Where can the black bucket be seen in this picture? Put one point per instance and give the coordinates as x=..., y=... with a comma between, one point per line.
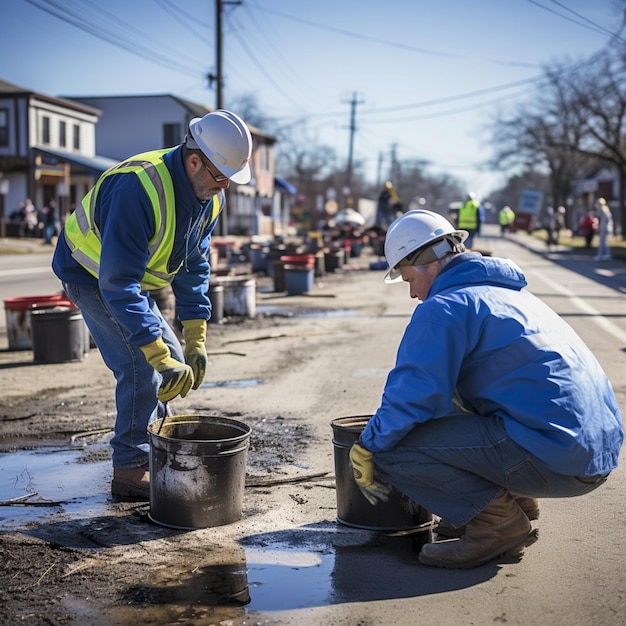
x=58, y=335
x=216, y=295
x=353, y=509
x=197, y=470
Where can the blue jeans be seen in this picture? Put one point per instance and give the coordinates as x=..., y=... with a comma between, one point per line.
x=137, y=382
x=456, y=465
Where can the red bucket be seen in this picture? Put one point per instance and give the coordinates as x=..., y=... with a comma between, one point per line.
x=18, y=316
x=306, y=261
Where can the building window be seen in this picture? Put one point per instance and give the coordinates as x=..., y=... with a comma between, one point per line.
x=172, y=135
x=45, y=130
x=62, y=134
x=4, y=127
x=76, y=143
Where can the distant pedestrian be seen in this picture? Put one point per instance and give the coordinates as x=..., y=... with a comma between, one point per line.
x=605, y=228
x=31, y=219
x=506, y=217
x=588, y=227
x=52, y=224
x=550, y=226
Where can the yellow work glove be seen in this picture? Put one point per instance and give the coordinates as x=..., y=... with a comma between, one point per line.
x=177, y=377
x=362, y=462
x=194, y=332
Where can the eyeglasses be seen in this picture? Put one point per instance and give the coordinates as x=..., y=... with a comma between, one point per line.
x=218, y=178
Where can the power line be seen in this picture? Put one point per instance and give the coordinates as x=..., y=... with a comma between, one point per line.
x=589, y=24
x=99, y=30
x=347, y=33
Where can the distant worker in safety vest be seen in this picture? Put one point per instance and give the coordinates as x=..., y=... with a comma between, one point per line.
x=470, y=218
x=388, y=205
x=506, y=217
x=147, y=224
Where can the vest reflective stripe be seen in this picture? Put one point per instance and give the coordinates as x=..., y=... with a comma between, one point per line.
x=468, y=216
x=83, y=236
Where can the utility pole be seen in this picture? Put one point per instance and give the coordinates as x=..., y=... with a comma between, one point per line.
x=218, y=77
x=379, y=170
x=393, y=170
x=219, y=91
x=353, y=104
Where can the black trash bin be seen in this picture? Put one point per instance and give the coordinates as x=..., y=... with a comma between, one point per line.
x=58, y=335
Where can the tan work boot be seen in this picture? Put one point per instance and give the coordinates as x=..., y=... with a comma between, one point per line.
x=502, y=528
x=131, y=483
x=530, y=506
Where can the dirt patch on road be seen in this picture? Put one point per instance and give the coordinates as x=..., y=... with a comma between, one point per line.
x=99, y=562
x=118, y=566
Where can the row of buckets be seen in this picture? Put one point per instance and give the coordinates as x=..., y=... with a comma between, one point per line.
x=198, y=470
x=51, y=326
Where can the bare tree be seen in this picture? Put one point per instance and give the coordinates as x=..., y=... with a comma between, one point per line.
x=599, y=98
x=543, y=135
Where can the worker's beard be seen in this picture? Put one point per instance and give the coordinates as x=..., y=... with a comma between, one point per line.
x=203, y=186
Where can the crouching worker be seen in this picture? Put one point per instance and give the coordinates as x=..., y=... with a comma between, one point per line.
x=494, y=400
x=147, y=224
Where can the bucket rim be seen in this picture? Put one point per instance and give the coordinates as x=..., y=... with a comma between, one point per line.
x=352, y=421
x=187, y=418
x=21, y=303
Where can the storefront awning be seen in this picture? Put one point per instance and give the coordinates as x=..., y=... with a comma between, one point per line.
x=285, y=186
x=96, y=164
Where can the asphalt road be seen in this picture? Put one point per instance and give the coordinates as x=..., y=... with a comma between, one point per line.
x=574, y=575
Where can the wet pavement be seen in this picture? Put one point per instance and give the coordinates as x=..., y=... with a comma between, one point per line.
x=288, y=560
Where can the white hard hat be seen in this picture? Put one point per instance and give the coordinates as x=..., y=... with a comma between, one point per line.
x=225, y=140
x=418, y=230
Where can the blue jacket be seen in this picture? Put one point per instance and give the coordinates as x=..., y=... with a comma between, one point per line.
x=125, y=218
x=507, y=354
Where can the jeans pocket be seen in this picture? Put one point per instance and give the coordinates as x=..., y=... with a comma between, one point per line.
x=72, y=291
x=588, y=484
x=524, y=479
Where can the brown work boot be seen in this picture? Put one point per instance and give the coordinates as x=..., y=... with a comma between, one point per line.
x=530, y=506
x=502, y=528
x=131, y=483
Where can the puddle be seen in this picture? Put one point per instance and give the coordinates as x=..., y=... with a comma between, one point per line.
x=248, y=382
x=329, y=564
x=56, y=481
x=285, y=580
x=316, y=565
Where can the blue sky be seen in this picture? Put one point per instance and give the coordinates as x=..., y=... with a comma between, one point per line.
x=415, y=67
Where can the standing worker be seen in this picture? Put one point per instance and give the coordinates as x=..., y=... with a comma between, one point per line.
x=506, y=216
x=605, y=229
x=146, y=224
x=469, y=218
x=494, y=400
x=388, y=203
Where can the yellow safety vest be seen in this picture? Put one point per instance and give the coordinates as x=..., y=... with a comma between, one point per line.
x=83, y=236
x=468, y=216
x=506, y=217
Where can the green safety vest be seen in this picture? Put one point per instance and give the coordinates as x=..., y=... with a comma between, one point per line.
x=468, y=216
x=506, y=217
x=83, y=236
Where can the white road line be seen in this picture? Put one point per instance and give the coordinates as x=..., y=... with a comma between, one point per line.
x=25, y=270
x=596, y=316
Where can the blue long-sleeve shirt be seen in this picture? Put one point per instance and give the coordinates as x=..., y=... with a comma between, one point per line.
x=125, y=218
x=507, y=354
